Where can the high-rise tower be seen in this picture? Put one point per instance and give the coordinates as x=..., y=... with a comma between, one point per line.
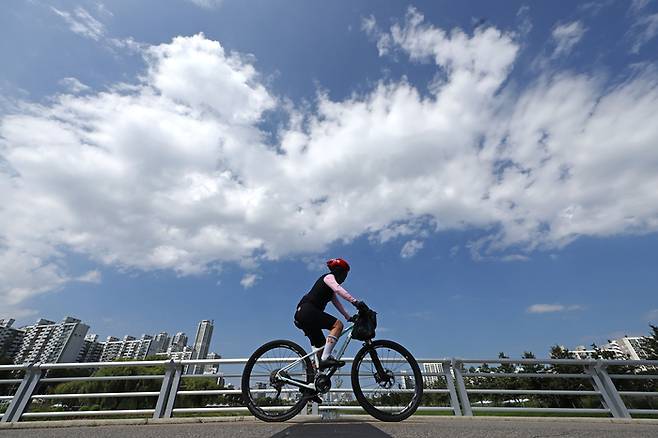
x=202, y=344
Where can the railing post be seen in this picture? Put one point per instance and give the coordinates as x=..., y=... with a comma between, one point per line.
x=461, y=387
x=599, y=386
x=609, y=386
x=450, y=383
x=161, y=404
x=173, y=390
x=23, y=393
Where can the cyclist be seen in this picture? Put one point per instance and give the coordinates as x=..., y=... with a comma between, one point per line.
x=311, y=317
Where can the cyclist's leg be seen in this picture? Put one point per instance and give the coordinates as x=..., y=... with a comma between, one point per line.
x=306, y=319
x=332, y=338
x=313, y=320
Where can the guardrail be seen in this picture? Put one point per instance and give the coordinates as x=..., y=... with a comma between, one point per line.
x=462, y=389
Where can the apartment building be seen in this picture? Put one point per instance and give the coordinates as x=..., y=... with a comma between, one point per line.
x=91, y=350
x=11, y=339
x=201, y=344
x=128, y=348
x=432, y=368
x=47, y=341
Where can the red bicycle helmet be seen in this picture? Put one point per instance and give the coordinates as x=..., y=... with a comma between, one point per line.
x=338, y=263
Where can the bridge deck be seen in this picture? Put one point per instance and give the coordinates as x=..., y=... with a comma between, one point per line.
x=362, y=427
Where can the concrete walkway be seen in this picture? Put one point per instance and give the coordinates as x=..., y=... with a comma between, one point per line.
x=354, y=426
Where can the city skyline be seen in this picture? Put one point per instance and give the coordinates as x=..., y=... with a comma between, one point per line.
x=175, y=347
x=48, y=341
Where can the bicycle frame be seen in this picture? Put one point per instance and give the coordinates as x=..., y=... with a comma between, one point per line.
x=347, y=332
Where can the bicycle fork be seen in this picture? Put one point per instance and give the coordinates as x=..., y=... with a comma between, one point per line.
x=381, y=375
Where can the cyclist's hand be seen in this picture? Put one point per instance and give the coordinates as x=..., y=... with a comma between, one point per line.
x=353, y=318
x=361, y=306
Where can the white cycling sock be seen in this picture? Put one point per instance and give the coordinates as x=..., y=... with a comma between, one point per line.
x=331, y=341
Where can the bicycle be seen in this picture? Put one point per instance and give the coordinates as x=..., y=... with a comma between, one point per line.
x=280, y=378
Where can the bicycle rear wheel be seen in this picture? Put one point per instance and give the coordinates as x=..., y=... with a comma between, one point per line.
x=267, y=397
x=396, y=394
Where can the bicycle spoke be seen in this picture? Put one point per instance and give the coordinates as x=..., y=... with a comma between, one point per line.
x=393, y=392
x=268, y=394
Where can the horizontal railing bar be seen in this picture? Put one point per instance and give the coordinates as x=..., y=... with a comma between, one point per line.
x=643, y=411
x=633, y=376
x=347, y=359
x=534, y=361
x=6, y=397
x=521, y=375
x=335, y=375
x=101, y=378
x=359, y=408
x=225, y=409
x=10, y=381
x=321, y=407
x=335, y=390
x=142, y=363
x=13, y=367
x=556, y=410
x=629, y=362
x=96, y=395
x=204, y=376
x=639, y=393
x=532, y=391
x=87, y=413
x=228, y=391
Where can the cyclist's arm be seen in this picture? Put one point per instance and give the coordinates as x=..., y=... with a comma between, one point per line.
x=330, y=281
x=340, y=307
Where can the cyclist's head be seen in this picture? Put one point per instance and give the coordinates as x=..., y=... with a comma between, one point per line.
x=339, y=267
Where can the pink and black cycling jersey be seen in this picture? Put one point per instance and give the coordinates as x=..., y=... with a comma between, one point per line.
x=324, y=290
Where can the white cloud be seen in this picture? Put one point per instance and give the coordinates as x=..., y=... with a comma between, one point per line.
x=73, y=85
x=523, y=21
x=638, y=5
x=410, y=248
x=82, y=22
x=552, y=308
x=17, y=312
x=207, y=4
x=369, y=25
x=249, y=280
x=515, y=258
x=172, y=171
x=90, y=277
x=566, y=36
x=644, y=29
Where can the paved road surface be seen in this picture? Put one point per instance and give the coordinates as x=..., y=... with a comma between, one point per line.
x=437, y=427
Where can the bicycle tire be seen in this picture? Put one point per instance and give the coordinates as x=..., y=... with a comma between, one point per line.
x=249, y=402
x=363, y=400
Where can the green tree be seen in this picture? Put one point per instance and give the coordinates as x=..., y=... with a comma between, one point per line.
x=533, y=383
x=602, y=354
x=8, y=389
x=504, y=382
x=650, y=343
x=200, y=384
x=576, y=384
x=90, y=387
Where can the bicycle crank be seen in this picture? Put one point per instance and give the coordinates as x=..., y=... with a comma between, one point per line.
x=323, y=383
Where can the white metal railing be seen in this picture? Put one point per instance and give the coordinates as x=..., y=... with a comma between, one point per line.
x=460, y=387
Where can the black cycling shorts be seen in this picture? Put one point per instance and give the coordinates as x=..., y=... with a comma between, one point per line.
x=312, y=320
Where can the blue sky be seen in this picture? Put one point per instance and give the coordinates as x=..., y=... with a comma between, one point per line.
x=488, y=170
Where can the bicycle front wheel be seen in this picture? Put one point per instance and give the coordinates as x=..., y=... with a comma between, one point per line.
x=392, y=391
x=268, y=397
